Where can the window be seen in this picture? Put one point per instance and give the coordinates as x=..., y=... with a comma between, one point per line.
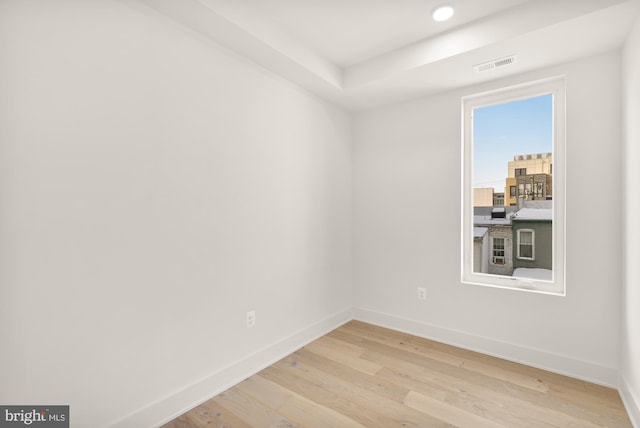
x=526, y=244
x=539, y=192
x=498, y=251
x=511, y=138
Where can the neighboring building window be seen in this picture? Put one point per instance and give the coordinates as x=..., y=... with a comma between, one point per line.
x=514, y=138
x=526, y=244
x=539, y=192
x=498, y=251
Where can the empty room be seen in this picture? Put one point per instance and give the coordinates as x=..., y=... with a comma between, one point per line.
x=328, y=213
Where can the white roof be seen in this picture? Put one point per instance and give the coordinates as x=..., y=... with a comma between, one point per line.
x=479, y=232
x=534, y=273
x=486, y=220
x=534, y=214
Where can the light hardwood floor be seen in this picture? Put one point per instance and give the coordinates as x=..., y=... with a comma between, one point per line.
x=361, y=375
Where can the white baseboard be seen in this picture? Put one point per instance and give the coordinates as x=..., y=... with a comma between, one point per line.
x=630, y=402
x=561, y=364
x=179, y=402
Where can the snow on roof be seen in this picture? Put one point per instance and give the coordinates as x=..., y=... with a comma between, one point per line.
x=534, y=214
x=486, y=220
x=534, y=273
x=479, y=232
x=547, y=203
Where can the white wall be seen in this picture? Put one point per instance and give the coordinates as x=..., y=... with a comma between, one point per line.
x=153, y=188
x=630, y=361
x=407, y=231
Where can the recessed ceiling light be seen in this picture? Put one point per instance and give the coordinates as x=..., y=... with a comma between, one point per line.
x=442, y=13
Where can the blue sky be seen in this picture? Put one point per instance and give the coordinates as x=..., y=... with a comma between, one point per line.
x=502, y=131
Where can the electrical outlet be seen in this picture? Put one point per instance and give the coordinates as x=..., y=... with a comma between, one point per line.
x=422, y=293
x=251, y=319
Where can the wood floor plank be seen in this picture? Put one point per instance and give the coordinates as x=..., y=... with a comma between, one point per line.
x=212, y=413
x=343, y=353
x=291, y=404
x=252, y=411
x=519, y=400
x=183, y=421
x=598, y=402
x=446, y=412
x=497, y=407
x=207, y=414
x=467, y=363
x=374, y=384
x=366, y=406
x=364, y=375
x=467, y=394
x=312, y=414
x=265, y=391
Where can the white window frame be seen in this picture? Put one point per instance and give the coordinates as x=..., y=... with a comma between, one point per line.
x=556, y=87
x=533, y=244
x=493, y=251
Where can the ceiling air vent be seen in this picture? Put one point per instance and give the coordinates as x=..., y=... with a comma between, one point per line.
x=495, y=64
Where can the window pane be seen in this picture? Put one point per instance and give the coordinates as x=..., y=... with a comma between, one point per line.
x=513, y=149
x=526, y=251
x=498, y=249
x=525, y=237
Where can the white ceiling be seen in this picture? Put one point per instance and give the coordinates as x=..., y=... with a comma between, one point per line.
x=364, y=53
x=347, y=32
